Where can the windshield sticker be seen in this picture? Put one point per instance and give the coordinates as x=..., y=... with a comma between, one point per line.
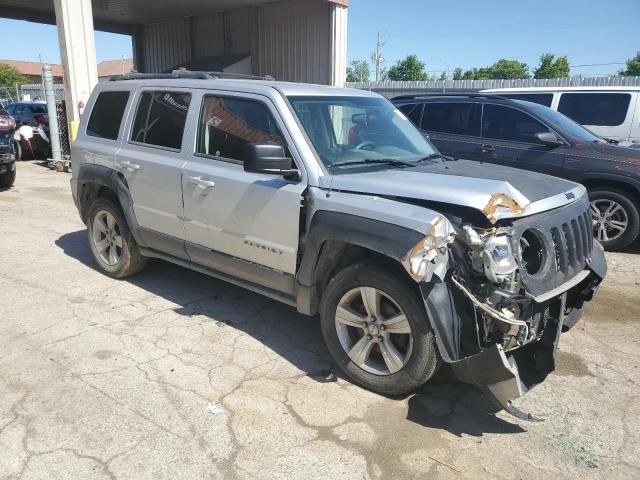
x=400, y=114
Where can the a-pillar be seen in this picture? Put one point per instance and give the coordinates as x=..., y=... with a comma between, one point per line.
x=74, y=19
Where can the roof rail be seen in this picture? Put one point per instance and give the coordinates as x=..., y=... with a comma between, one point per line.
x=188, y=74
x=437, y=95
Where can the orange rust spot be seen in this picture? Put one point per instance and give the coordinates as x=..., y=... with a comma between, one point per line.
x=500, y=200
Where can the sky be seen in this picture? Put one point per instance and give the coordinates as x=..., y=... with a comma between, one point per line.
x=598, y=36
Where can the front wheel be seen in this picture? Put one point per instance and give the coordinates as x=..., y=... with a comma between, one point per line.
x=376, y=329
x=616, y=217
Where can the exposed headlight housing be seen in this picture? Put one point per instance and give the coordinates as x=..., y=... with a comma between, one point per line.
x=430, y=252
x=497, y=258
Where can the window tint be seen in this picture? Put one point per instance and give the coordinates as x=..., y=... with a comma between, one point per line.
x=504, y=123
x=38, y=109
x=160, y=119
x=413, y=112
x=228, y=124
x=603, y=109
x=107, y=114
x=541, y=98
x=454, y=118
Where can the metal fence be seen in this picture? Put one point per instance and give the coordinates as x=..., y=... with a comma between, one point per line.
x=390, y=89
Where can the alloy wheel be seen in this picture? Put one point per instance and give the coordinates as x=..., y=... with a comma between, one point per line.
x=373, y=331
x=107, y=238
x=610, y=219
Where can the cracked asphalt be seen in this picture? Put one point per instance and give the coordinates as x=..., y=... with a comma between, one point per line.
x=172, y=374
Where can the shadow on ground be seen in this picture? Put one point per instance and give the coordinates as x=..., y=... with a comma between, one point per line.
x=443, y=403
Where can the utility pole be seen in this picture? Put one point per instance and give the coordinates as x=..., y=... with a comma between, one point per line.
x=377, y=57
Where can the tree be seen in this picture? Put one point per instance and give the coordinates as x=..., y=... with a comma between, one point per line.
x=458, y=74
x=358, y=71
x=509, y=69
x=633, y=67
x=552, y=67
x=409, y=69
x=443, y=76
x=10, y=76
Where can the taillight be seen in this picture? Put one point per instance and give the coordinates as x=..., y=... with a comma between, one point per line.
x=40, y=118
x=7, y=122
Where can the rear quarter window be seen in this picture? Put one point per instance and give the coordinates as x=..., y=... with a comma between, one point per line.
x=598, y=109
x=107, y=115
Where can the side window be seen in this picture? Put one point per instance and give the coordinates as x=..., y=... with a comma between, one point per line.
x=413, y=112
x=505, y=123
x=107, y=114
x=601, y=109
x=454, y=118
x=227, y=124
x=160, y=119
x=541, y=98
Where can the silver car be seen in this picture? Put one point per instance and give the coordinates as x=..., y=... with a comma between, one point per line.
x=329, y=200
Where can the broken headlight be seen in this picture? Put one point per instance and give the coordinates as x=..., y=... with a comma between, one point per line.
x=430, y=252
x=497, y=258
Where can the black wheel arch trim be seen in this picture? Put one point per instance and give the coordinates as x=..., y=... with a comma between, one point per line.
x=115, y=181
x=620, y=179
x=389, y=240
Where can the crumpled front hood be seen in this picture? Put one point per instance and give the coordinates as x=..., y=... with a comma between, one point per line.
x=465, y=183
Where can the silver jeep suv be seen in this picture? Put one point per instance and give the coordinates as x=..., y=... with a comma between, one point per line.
x=329, y=200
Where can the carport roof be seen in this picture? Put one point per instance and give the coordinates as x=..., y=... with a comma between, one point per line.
x=120, y=15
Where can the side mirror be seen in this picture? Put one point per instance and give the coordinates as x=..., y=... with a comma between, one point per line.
x=269, y=159
x=548, y=138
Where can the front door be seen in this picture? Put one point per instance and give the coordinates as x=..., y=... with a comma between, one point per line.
x=240, y=223
x=150, y=160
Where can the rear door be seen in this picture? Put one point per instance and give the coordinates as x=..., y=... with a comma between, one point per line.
x=241, y=223
x=508, y=138
x=454, y=128
x=151, y=161
x=608, y=114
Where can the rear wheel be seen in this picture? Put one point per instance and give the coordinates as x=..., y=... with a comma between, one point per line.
x=7, y=179
x=616, y=217
x=111, y=241
x=376, y=329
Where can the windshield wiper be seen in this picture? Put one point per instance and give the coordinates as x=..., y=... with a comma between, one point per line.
x=367, y=161
x=433, y=156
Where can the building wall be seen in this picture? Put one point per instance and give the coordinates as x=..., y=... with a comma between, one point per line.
x=289, y=40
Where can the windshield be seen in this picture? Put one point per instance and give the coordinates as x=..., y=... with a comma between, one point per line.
x=575, y=130
x=360, y=130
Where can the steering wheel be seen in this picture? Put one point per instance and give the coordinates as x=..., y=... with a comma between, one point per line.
x=366, y=145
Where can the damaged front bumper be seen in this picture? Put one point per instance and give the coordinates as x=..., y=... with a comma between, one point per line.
x=508, y=374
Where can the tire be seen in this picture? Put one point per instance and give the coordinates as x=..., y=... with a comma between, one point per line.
x=107, y=226
x=7, y=179
x=18, y=150
x=626, y=211
x=418, y=349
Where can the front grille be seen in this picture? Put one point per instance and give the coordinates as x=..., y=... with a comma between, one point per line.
x=572, y=243
x=561, y=240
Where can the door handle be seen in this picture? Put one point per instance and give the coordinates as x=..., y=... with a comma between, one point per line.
x=201, y=183
x=132, y=167
x=488, y=148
